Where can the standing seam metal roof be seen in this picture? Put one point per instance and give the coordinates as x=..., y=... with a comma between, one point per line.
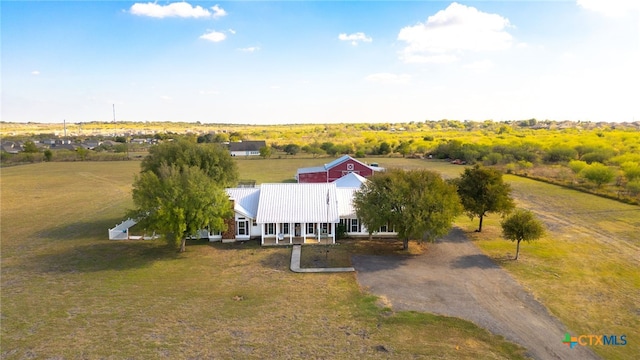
x=303, y=203
x=245, y=200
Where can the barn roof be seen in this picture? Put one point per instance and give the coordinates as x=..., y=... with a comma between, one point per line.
x=292, y=202
x=334, y=163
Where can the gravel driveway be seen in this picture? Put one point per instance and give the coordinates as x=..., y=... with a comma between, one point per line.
x=455, y=279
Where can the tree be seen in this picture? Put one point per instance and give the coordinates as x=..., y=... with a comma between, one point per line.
x=418, y=204
x=178, y=201
x=292, y=149
x=522, y=225
x=598, y=173
x=213, y=159
x=48, y=155
x=181, y=189
x=30, y=147
x=483, y=191
x=82, y=153
x=265, y=152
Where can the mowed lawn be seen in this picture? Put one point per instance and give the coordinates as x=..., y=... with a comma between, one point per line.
x=68, y=292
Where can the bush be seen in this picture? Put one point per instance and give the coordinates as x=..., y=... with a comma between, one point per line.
x=634, y=187
x=560, y=154
x=598, y=174
x=631, y=170
x=577, y=165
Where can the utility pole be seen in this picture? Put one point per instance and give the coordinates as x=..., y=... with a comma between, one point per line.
x=115, y=127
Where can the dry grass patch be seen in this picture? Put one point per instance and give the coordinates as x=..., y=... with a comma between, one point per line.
x=586, y=270
x=68, y=292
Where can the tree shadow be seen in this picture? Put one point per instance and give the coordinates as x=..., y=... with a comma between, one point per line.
x=107, y=255
x=98, y=228
x=277, y=260
x=373, y=263
x=480, y=261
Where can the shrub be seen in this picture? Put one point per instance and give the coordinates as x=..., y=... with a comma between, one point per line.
x=598, y=174
x=577, y=165
x=560, y=154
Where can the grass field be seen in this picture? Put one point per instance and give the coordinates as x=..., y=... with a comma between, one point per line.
x=68, y=292
x=586, y=270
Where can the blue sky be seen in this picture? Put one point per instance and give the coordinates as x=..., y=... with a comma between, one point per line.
x=261, y=62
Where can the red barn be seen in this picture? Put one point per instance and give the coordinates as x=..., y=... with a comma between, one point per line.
x=335, y=170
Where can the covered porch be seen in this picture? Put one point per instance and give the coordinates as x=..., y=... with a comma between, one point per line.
x=298, y=233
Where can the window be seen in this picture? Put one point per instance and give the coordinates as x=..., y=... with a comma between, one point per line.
x=284, y=228
x=383, y=228
x=324, y=228
x=311, y=228
x=254, y=223
x=270, y=229
x=355, y=226
x=242, y=228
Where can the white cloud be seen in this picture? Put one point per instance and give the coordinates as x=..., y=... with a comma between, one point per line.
x=213, y=36
x=355, y=37
x=35, y=72
x=450, y=32
x=249, y=49
x=232, y=31
x=166, y=98
x=479, y=66
x=613, y=8
x=177, y=9
x=209, y=92
x=218, y=11
x=388, y=78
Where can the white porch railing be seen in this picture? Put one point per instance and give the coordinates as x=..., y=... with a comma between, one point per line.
x=121, y=231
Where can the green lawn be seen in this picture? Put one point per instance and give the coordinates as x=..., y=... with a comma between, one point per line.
x=68, y=292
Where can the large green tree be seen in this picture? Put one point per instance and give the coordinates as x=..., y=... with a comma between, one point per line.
x=482, y=190
x=522, y=225
x=181, y=189
x=213, y=159
x=419, y=204
x=178, y=202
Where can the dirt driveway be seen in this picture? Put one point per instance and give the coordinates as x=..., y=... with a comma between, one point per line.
x=454, y=278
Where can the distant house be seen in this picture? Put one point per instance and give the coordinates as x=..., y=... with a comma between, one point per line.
x=335, y=170
x=246, y=148
x=11, y=147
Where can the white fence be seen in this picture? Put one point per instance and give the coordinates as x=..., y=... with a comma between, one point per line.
x=121, y=231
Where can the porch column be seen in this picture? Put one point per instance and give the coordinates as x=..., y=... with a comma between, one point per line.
x=262, y=232
x=291, y=233
x=277, y=232
x=318, y=230
x=333, y=232
x=303, y=232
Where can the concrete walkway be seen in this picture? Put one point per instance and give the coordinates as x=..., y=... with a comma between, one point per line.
x=295, y=264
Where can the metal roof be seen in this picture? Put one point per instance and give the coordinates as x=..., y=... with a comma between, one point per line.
x=313, y=169
x=351, y=180
x=345, y=202
x=245, y=200
x=292, y=202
